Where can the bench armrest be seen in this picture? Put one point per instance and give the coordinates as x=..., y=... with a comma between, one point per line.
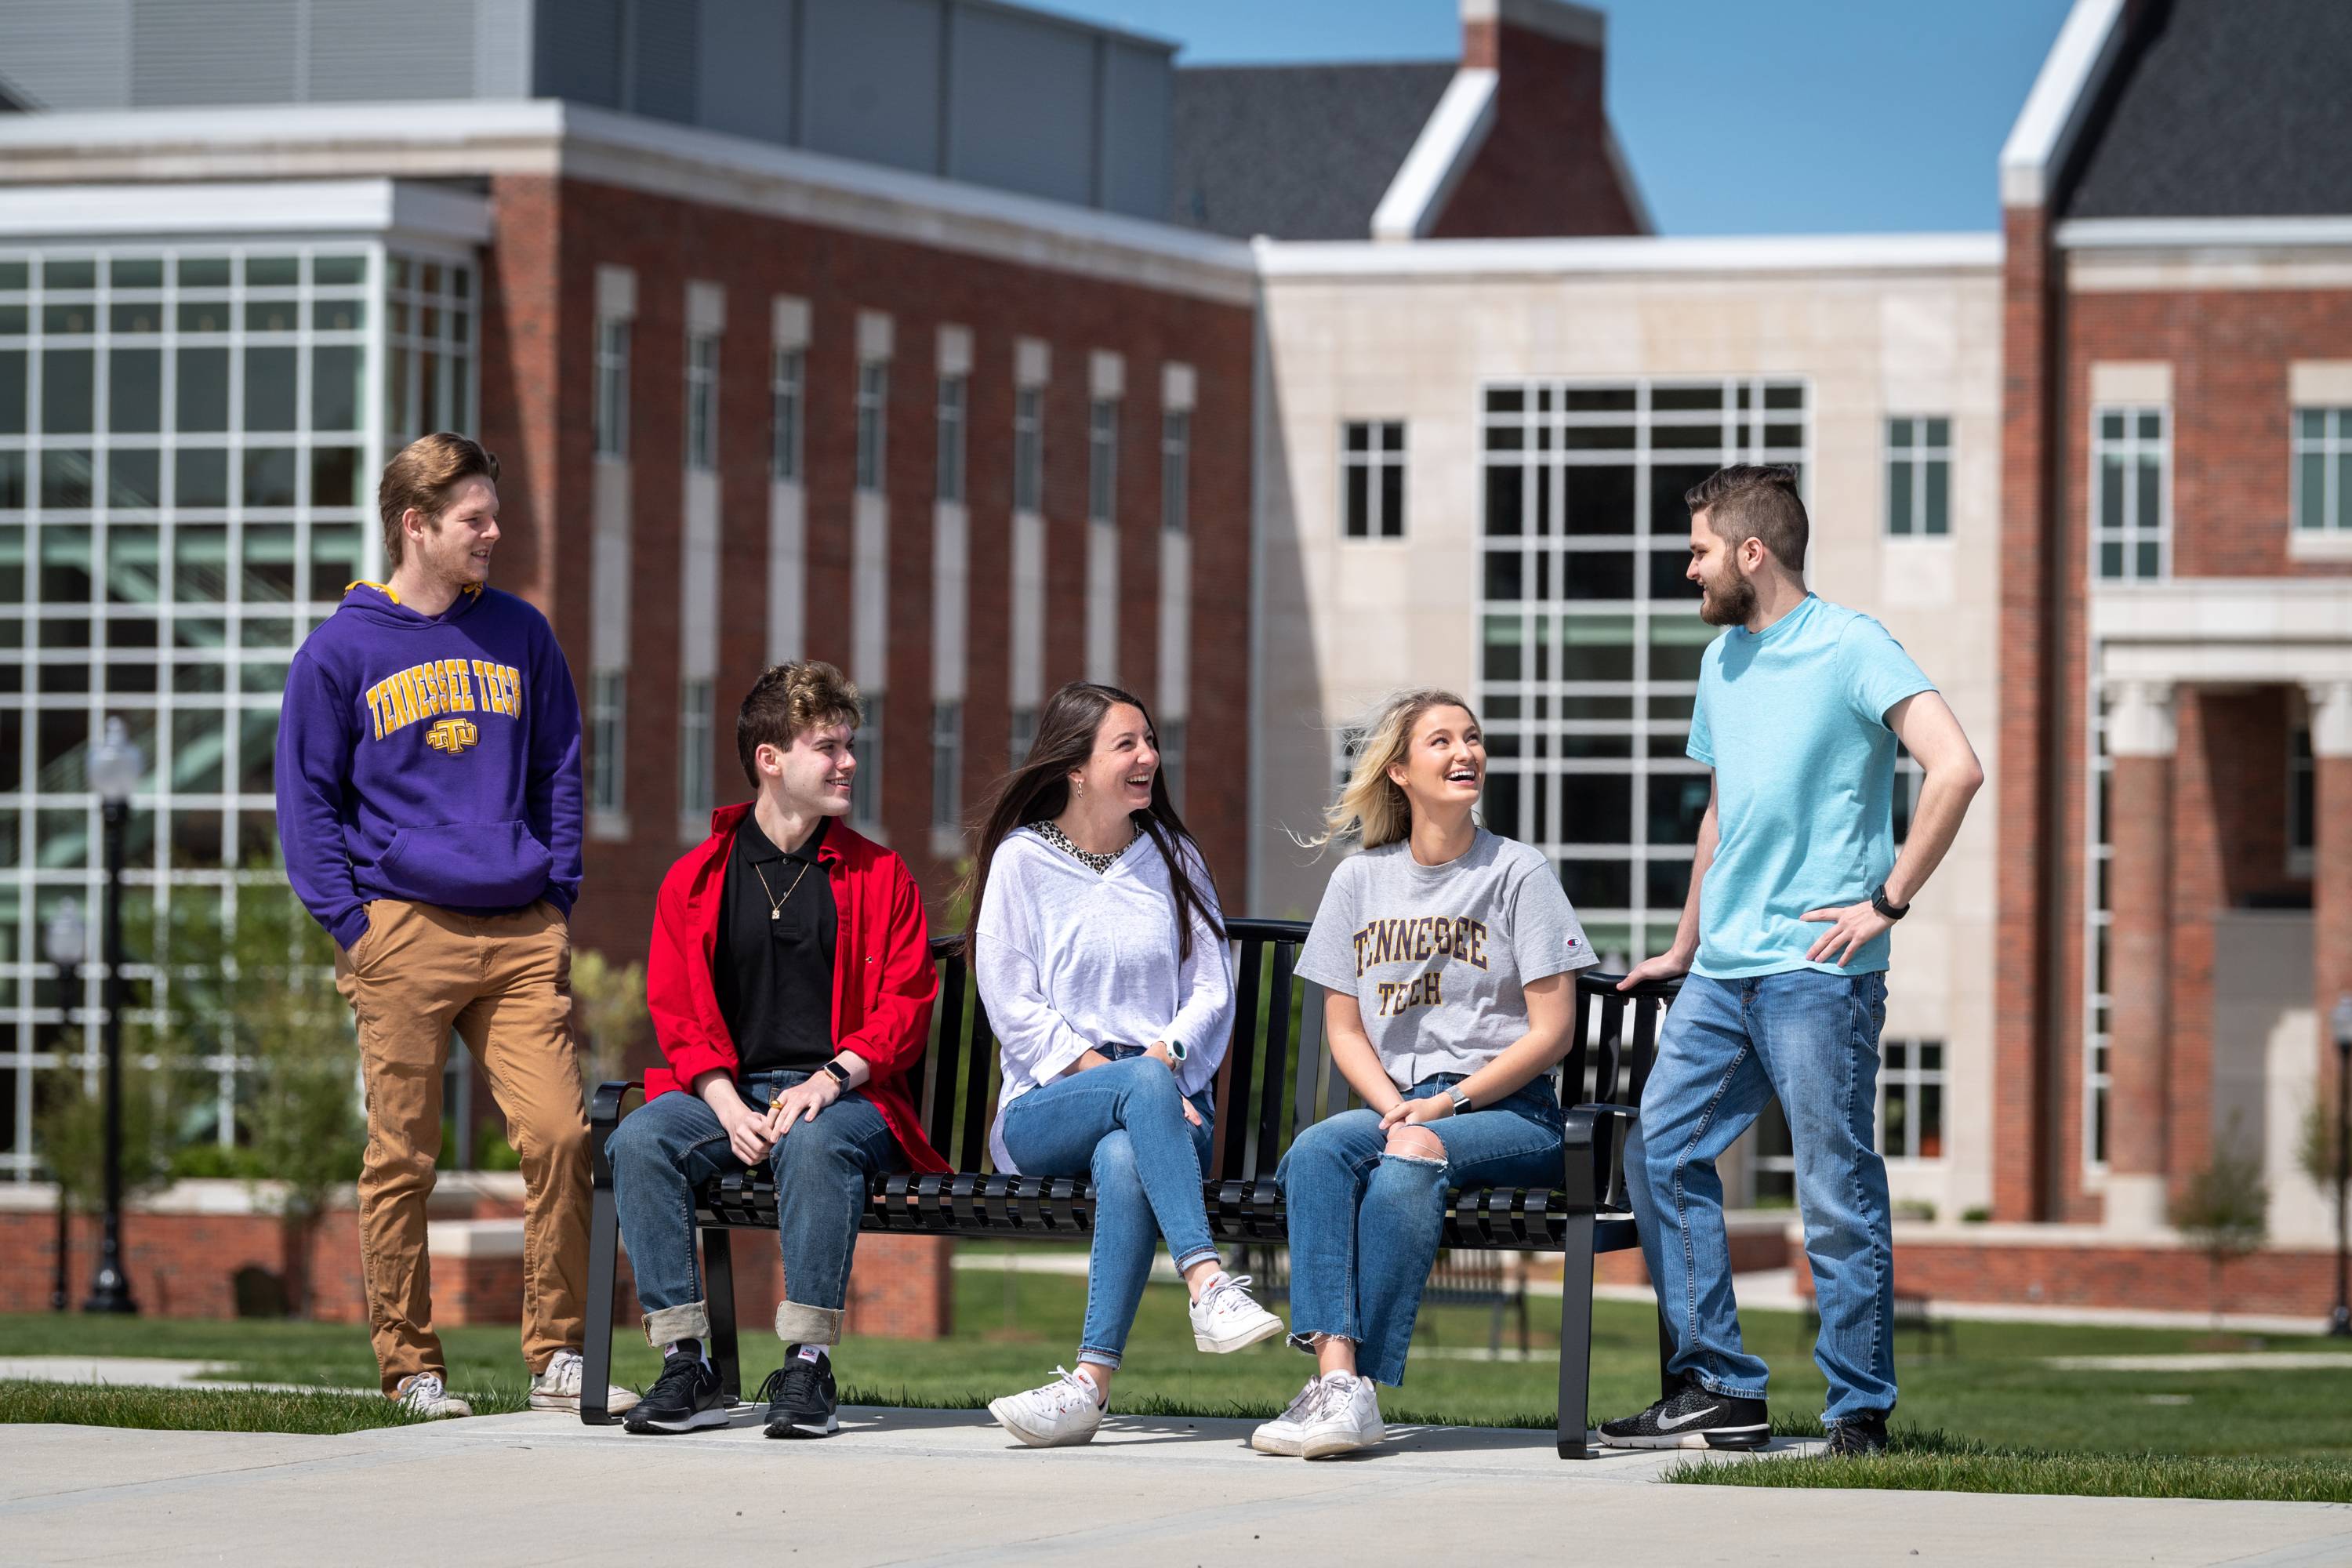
x=1578, y=1177
x=604, y=1116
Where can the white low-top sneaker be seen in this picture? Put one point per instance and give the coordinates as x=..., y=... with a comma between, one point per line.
x=427, y=1395
x=1064, y=1412
x=1225, y=1318
x=1347, y=1419
x=557, y=1387
x=1286, y=1432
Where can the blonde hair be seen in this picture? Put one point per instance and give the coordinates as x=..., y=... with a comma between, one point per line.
x=1372, y=806
x=421, y=474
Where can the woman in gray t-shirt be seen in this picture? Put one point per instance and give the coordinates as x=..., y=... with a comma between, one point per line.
x=1444, y=953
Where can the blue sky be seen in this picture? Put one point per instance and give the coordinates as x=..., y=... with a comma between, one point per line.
x=1739, y=116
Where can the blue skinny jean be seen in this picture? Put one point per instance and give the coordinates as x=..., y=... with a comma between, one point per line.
x=1812, y=1039
x=1365, y=1225
x=1123, y=1125
x=670, y=1146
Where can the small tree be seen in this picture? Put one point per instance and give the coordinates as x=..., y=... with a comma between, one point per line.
x=608, y=1015
x=2225, y=1212
x=72, y=1127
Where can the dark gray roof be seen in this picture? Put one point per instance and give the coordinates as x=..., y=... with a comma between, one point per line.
x=1295, y=151
x=2231, y=108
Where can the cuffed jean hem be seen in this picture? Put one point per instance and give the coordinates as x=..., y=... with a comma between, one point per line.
x=1100, y=1358
x=667, y=1325
x=1725, y=1390
x=1198, y=1254
x=799, y=1325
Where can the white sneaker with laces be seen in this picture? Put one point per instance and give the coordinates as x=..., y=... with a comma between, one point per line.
x=1286, y=1432
x=557, y=1387
x=1348, y=1419
x=1064, y=1412
x=427, y=1395
x=1226, y=1319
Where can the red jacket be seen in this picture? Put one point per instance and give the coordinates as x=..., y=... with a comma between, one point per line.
x=883, y=983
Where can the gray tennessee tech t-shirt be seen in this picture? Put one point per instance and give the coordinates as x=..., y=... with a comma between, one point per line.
x=1436, y=955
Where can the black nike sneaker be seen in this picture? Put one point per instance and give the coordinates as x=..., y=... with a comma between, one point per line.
x=684, y=1397
x=801, y=1396
x=1691, y=1417
x=1858, y=1436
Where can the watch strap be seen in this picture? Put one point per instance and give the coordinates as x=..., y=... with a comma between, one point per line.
x=1461, y=1101
x=1878, y=901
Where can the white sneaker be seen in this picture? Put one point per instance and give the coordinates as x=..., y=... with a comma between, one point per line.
x=427, y=1395
x=1286, y=1432
x=1348, y=1419
x=1225, y=1318
x=1066, y=1410
x=557, y=1387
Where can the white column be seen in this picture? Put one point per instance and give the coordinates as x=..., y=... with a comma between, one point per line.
x=1173, y=700
x=788, y=504
x=1032, y=368
x=610, y=568
x=1106, y=383
x=869, y=638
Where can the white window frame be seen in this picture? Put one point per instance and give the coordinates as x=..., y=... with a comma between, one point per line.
x=1019, y=734
x=787, y=413
x=954, y=414
x=947, y=766
x=865, y=785
x=1172, y=735
x=1029, y=449
x=1102, y=459
x=694, y=798
x=1384, y=447
x=1915, y=458
x=1907, y=1080
x=608, y=742
x=2331, y=444
x=1175, y=470
x=612, y=388
x=872, y=402
x=2128, y=450
x=701, y=454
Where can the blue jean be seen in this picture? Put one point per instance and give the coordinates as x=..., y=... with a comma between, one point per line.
x=671, y=1145
x=1365, y=1225
x=1810, y=1038
x=1122, y=1124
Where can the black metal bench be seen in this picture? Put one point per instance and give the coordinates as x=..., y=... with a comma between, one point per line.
x=1277, y=1076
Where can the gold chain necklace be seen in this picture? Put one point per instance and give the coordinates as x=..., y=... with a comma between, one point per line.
x=775, y=904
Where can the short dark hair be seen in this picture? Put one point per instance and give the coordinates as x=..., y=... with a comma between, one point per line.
x=421, y=474
x=788, y=700
x=1755, y=501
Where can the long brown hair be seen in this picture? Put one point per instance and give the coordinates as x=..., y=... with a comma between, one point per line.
x=1039, y=790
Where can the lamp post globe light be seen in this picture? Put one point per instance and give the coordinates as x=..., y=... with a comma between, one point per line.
x=2339, y=1018
x=64, y=941
x=116, y=767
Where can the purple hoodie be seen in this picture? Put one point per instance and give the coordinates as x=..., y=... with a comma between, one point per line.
x=429, y=758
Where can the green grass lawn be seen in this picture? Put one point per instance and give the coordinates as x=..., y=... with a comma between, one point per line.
x=1988, y=1407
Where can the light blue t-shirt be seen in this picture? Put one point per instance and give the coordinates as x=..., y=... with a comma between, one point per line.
x=1794, y=721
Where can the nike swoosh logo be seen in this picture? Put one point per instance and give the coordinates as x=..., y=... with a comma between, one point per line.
x=1667, y=1425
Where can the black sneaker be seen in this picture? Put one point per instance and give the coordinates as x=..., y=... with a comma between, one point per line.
x=684, y=1397
x=801, y=1396
x=1858, y=1436
x=1691, y=1417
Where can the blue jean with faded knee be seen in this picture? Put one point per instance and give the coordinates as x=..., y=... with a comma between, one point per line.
x=1365, y=1225
x=1122, y=1124
x=1728, y=1046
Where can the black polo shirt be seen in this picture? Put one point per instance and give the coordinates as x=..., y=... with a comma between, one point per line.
x=775, y=976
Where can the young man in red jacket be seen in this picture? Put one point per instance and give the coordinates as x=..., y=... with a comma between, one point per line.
x=791, y=985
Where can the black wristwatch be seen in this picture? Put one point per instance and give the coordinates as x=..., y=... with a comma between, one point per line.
x=1878, y=901
x=839, y=1074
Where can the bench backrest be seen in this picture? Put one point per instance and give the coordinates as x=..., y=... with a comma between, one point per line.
x=1278, y=1076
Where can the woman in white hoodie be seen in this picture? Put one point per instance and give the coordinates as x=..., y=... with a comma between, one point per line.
x=1100, y=957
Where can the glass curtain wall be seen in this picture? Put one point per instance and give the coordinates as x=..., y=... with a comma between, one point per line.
x=188, y=440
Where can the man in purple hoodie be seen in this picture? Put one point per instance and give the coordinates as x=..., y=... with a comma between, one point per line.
x=429, y=802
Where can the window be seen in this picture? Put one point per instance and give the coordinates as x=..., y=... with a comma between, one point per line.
x=1590, y=637
x=702, y=401
x=2128, y=523
x=1029, y=449
x=1373, y=479
x=2099, y=921
x=694, y=701
x=612, y=388
x=952, y=389
x=2322, y=444
x=2302, y=804
x=865, y=785
x=1175, y=461
x=947, y=766
x=787, y=383
x=873, y=407
x=1911, y=1100
x=1919, y=476
x=1021, y=734
x=1909, y=777
x=1102, y=460
x=1772, y=1163
x=608, y=697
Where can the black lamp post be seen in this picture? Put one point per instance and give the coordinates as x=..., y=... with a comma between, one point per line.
x=2340, y=1322
x=115, y=766
x=64, y=941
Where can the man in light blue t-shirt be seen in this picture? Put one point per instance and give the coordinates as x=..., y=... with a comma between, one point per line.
x=1794, y=886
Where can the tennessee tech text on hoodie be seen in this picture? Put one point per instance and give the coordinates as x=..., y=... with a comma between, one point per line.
x=429, y=758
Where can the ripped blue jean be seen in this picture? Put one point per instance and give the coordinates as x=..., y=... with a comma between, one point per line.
x=1727, y=1047
x=1364, y=1228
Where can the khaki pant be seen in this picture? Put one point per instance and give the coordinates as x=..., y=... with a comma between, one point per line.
x=504, y=983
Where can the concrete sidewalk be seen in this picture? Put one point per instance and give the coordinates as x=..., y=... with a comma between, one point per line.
x=944, y=1487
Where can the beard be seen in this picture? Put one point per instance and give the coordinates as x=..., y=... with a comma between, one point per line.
x=1730, y=600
